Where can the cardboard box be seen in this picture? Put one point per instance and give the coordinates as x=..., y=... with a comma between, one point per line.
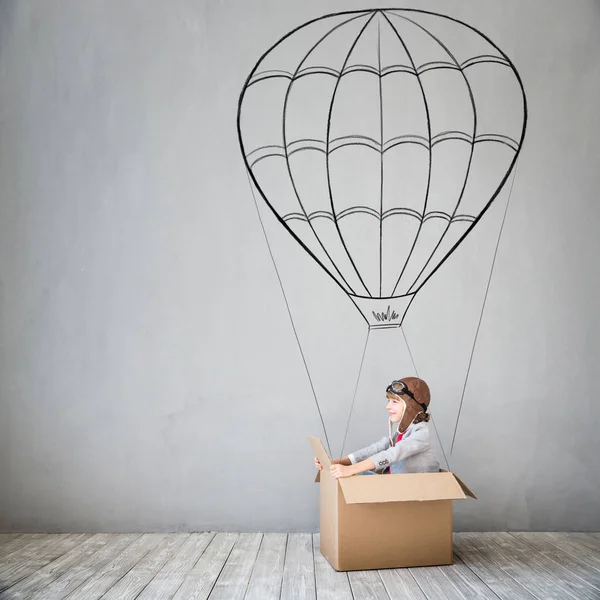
x=386, y=521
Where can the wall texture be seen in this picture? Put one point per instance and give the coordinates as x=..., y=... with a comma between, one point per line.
x=150, y=378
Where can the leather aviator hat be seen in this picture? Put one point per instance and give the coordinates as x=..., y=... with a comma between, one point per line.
x=414, y=393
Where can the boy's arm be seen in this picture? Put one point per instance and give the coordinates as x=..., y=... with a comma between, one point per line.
x=342, y=461
x=338, y=461
x=418, y=442
x=362, y=466
x=365, y=453
x=339, y=470
x=359, y=461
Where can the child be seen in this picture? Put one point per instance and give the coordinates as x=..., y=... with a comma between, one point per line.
x=411, y=451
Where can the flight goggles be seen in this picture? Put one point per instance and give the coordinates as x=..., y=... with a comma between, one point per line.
x=399, y=388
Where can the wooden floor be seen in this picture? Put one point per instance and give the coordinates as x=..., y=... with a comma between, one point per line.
x=226, y=566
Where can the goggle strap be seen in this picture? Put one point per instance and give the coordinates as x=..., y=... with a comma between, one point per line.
x=392, y=388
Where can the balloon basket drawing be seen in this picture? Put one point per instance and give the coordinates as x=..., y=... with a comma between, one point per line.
x=383, y=313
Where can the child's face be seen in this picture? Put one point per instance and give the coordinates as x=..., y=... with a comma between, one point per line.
x=395, y=408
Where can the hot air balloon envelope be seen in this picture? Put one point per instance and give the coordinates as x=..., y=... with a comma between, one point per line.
x=379, y=138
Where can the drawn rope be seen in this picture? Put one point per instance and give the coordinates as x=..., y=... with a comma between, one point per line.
x=432, y=418
x=312, y=387
x=483, y=309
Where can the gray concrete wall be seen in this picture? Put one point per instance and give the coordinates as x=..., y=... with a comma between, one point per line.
x=150, y=378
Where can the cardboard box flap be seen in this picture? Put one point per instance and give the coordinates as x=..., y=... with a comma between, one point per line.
x=410, y=487
x=465, y=489
x=320, y=452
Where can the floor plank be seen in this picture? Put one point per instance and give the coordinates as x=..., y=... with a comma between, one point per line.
x=532, y=580
x=575, y=565
x=23, y=545
x=6, y=538
x=233, y=580
x=330, y=584
x=588, y=540
x=299, y=568
x=536, y=565
x=401, y=585
x=200, y=581
x=35, y=556
x=101, y=581
x=367, y=584
x=579, y=587
x=135, y=580
x=566, y=544
x=36, y=583
x=73, y=578
x=267, y=576
x=434, y=584
x=170, y=578
x=466, y=581
x=9, y=536
x=208, y=566
x=498, y=580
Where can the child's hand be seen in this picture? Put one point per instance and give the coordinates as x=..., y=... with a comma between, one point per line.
x=338, y=471
x=318, y=464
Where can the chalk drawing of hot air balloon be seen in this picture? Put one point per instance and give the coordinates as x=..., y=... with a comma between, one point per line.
x=379, y=138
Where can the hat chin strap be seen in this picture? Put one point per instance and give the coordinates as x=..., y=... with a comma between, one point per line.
x=407, y=420
x=408, y=416
x=404, y=425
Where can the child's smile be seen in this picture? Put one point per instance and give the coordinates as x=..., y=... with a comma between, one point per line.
x=395, y=408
